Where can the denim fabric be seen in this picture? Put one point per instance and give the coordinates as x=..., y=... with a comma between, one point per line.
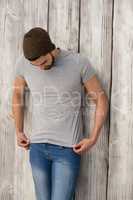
x=55, y=170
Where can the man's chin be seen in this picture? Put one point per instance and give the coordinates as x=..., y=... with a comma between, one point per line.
x=47, y=67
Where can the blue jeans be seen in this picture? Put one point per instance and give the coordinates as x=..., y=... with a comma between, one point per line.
x=55, y=171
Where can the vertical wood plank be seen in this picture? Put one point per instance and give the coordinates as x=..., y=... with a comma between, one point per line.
x=22, y=17
x=64, y=23
x=95, y=43
x=8, y=32
x=120, y=184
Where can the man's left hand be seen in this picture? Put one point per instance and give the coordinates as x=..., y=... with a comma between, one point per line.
x=84, y=145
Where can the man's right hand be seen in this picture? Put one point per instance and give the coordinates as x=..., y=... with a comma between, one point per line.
x=22, y=140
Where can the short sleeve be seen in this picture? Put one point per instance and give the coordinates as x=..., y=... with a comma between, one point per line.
x=87, y=70
x=19, y=68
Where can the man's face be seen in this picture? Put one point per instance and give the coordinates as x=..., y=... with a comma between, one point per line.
x=44, y=62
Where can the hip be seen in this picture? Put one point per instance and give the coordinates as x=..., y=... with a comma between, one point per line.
x=55, y=152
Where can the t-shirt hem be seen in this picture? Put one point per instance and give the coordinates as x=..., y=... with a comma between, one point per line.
x=51, y=142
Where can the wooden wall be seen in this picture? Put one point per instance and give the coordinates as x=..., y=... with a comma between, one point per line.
x=103, y=31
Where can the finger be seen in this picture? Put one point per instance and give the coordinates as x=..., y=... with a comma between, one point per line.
x=28, y=145
x=80, y=153
x=77, y=150
x=26, y=148
x=22, y=139
x=77, y=145
x=28, y=140
x=22, y=135
x=23, y=144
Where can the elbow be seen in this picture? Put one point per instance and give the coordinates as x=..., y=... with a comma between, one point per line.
x=17, y=103
x=103, y=103
x=106, y=100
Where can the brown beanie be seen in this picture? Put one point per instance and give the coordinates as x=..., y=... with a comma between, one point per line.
x=37, y=42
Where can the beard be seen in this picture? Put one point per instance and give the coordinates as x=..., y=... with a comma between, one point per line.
x=51, y=65
x=47, y=67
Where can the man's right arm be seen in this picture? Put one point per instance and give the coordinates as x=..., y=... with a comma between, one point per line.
x=18, y=109
x=18, y=103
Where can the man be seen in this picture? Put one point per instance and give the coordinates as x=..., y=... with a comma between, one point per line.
x=55, y=77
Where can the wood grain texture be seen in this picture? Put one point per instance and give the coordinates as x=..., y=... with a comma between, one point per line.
x=64, y=23
x=101, y=30
x=95, y=43
x=120, y=182
x=9, y=26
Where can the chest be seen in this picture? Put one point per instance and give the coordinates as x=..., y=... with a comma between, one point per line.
x=58, y=79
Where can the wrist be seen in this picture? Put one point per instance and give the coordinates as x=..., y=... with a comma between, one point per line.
x=19, y=132
x=93, y=137
x=94, y=133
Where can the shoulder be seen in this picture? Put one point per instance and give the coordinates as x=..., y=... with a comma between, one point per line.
x=21, y=61
x=81, y=62
x=70, y=56
x=20, y=67
x=76, y=57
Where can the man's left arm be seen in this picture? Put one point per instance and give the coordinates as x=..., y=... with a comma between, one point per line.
x=97, y=94
x=99, y=97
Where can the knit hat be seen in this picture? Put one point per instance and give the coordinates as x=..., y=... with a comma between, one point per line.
x=37, y=42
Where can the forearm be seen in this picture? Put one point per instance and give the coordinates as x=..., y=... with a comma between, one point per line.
x=18, y=113
x=101, y=112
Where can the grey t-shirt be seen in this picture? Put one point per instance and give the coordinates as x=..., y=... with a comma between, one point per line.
x=56, y=97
